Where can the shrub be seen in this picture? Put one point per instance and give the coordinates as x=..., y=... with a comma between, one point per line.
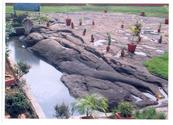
x=125, y=108
x=149, y=113
x=18, y=19
x=16, y=104
x=8, y=29
x=62, y=111
x=21, y=69
x=7, y=51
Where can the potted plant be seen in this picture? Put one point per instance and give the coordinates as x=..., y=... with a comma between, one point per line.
x=124, y=111
x=84, y=32
x=87, y=104
x=92, y=38
x=122, y=24
x=72, y=25
x=80, y=22
x=142, y=14
x=109, y=42
x=167, y=18
x=160, y=39
x=136, y=29
x=93, y=23
x=68, y=21
x=159, y=29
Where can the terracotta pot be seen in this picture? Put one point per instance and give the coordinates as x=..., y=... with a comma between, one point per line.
x=72, y=25
x=119, y=116
x=68, y=21
x=87, y=117
x=160, y=40
x=92, y=38
x=107, y=48
x=131, y=47
x=166, y=21
x=80, y=23
x=84, y=32
x=158, y=30
x=142, y=14
x=93, y=23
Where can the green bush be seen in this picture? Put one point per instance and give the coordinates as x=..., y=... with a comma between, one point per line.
x=21, y=69
x=19, y=17
x=125, y=108
x=16, y=104
x=62, y=111
x=149, y=113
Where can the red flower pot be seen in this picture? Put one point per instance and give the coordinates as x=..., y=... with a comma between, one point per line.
x=68, y=21
x=105, y=11
x=80, y=22
x=72, y=25
x=158, y=30
x=107, y=48
x=166, y=21
x=140, y=39
x=84, y=32
x=131, y=47
x=92, y=38
x=160, y=40
x=142, y=14
x=93, y=23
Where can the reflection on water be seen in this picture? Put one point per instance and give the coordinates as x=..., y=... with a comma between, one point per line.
x=43, y=79
x=18, y=53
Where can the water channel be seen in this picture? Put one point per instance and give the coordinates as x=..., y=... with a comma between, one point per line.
x=43, y=79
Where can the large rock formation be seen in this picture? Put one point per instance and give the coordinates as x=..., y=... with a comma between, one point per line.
x=87, y=71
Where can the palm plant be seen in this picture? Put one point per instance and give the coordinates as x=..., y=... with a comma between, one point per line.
x=87, y=104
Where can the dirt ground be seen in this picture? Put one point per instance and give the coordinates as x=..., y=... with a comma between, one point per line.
x=111, y=23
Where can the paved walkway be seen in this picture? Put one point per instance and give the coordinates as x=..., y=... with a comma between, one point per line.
x=38, y=110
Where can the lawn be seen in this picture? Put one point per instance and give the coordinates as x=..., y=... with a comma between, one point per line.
x=159, y=11
x=158, y=65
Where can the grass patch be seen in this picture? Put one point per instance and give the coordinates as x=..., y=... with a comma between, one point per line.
x=159, y=11
x=158, y=65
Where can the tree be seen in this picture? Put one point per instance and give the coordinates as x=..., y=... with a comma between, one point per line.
x=62, y=111
x=87, y=104
x=16, y=104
